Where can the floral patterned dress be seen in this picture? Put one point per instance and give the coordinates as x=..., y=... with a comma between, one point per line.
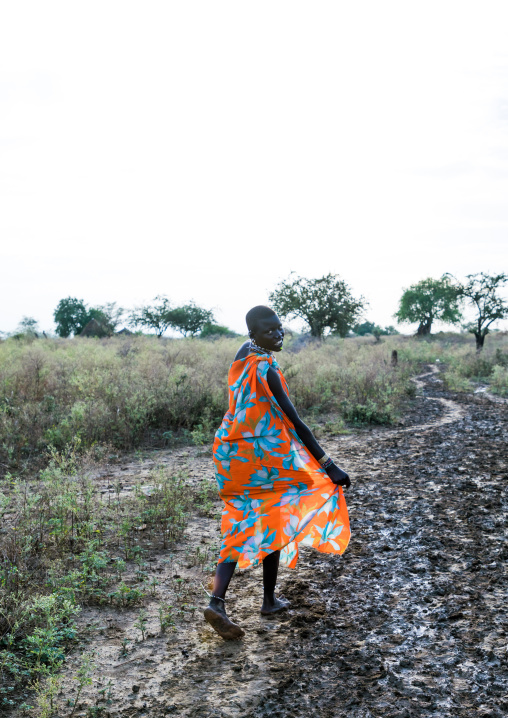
x=276, y=495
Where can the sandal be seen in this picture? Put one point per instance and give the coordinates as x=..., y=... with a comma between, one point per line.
x=220, y=622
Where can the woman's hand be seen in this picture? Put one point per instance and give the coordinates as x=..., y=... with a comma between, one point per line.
x=338, y=476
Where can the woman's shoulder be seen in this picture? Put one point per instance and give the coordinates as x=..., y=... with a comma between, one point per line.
x=244, y=351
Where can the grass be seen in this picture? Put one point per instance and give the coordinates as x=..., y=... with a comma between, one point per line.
x=66, y=545
x=125, y=392
x=67, y=407
x=140, y=391
x=465, y=371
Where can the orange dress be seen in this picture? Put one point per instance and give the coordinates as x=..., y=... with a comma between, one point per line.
x=276, y=494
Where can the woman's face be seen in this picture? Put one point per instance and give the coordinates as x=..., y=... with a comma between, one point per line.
x=268, y=334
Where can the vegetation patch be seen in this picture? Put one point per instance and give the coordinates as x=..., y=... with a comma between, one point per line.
x=66, y=545
x=131, y=391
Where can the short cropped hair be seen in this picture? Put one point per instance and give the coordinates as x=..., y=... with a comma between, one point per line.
x=255, y=314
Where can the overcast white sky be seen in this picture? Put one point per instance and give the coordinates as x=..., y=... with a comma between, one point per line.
x=204, y=150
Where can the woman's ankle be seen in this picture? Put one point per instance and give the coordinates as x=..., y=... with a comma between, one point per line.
x=217, y=602
x=269, y=598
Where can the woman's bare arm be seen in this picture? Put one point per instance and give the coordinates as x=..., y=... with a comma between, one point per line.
x=304, y=433
x=283, y=400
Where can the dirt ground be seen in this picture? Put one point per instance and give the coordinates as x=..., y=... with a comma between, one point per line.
x=410, y=621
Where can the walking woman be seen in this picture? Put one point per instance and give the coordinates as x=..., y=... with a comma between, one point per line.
x=278, y=486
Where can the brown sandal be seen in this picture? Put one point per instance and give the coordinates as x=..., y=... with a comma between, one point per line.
x=219, y=621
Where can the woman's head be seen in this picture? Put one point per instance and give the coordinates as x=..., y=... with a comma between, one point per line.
x=265, y=328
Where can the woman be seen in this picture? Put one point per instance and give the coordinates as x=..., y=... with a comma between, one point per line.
x=278, y=485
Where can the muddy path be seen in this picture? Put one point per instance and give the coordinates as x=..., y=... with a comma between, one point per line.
x=410, y=621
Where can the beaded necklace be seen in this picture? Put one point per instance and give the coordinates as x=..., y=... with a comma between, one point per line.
x=259, y=350
x=255, y=349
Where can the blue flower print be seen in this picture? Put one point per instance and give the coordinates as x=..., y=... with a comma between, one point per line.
x=238, y=383
x=331, y=505
x=245, y=503
x=276, y=412
x=297, y=524
x=330, y=532
x=225, y=453
x=223, y=429
x=221, y=480
x=264, y=478
x=297, y=457
x=265, y=437
x=263, y=367
x=257, y=543
x=291, y=528
x=288, y=553
x=238, y=527
x=245, y=400
x=293, y=495
x=275, y=495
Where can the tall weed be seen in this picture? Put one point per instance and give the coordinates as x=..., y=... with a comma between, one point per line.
x=64, y=544
x=132, y=391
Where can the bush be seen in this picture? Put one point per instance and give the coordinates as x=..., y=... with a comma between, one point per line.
x=351, y=377
x=122, y=391
x=466, y=368
x=215, y=331
x=500, y=380
x=138, y=390
x=59, y=549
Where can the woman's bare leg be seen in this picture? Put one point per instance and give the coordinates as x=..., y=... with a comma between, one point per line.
x=223, y=576
x=270, y=571
x=215, y=613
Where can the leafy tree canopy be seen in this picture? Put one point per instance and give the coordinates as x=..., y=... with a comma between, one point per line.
x=153, y=316
x=481, y=291
x=189, y=319
x=371, y=328
x=28, y=325
x=216, y=330
x=428, y=301
x=325, y=303
x=108, y=315
x=70, y=316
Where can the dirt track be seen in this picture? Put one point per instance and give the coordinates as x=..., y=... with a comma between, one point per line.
x=411, y=621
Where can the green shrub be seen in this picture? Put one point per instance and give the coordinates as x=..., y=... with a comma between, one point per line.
x=368, y=413
x=352, y=378
x=140, y=390
x=499, y=381
x=61, y=548
x=465, y=368
x=123, y=391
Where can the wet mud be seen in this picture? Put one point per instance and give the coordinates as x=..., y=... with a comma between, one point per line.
x=409, y=622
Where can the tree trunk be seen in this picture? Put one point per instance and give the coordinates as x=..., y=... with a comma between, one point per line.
x=424, y=328
x=480, y=338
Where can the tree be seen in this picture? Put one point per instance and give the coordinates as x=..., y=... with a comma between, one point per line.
x=70, y=316
x=216, y=330
x=28, y=325
x=370, y=328
x=428, y=301
x=189, y=319
x=480, y=290
x=108, y=315
x=154, y=316
x=324, y=303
